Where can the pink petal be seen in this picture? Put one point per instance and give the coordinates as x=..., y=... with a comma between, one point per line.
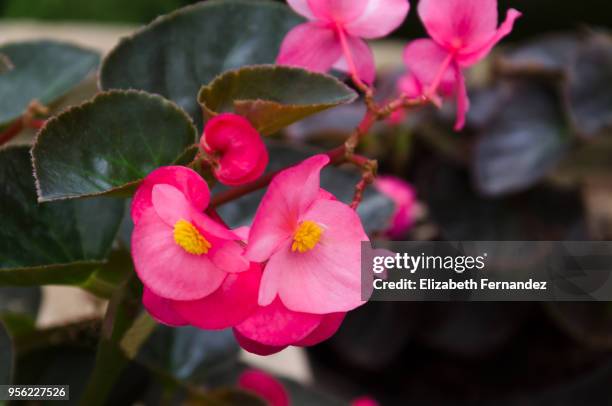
x=170, y=204
x=275, y=325
x=324, y=194
x=362, y=57
x=338, y=11
x=470, y=57
x=228, y=255
x=301, y=7
x=243, y=155
x=459, y=24
x=271, y=279
x=328, y=327
x=424, y=59
x=463, y=102
x=184, y=179
x=211, y=227
x=410, y=86
x=310, y=46
x=161, y=309
x=165, y=268
x=289, y=195
x=242, y=233
x=265, y=386
x=254, y=347
x=379, y=18
x=233, y=302
x=326, y=279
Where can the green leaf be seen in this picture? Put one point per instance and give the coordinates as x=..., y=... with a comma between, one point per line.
x=178, y=53
x=188, y=353
x=375, y=209
x=272, y=97
x=108, y=144
x=6, y=356
x=43, y=71
x=54, y=243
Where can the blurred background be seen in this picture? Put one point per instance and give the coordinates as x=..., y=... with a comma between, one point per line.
x=534, y=163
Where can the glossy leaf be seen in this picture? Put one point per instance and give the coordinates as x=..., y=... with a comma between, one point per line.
x=6, y=356
x=109, y=144
x=59, y=243
x=522, y=143
x=272, y=97
x=590, y=87
x=43, y=71
x=375, y=210
x=178, y=53
x=188, y=353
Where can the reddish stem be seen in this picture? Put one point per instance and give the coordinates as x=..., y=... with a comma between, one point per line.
x=36, y=124
x=11, y=132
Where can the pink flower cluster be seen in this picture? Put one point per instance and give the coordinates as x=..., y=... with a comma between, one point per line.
x=462, y=33
x=289, y=280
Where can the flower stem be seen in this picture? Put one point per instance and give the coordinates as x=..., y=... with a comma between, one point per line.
x=431, y=91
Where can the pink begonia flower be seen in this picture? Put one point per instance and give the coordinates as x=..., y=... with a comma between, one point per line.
x=463, y=32
x=241, y=154
x=272, y=328
x=333, y=37
x=403, y=196
x=265, y=386
x=179, y=252
x=312, y=244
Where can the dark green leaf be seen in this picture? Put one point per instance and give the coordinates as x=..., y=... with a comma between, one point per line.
x=522, y=143
x=590, y=87
x=178, y=53
x=375, y=210
x=43, y=71
x=107, y=145
x=6, y=356
x=54, y=243
x=188, y=353
x=272, y=97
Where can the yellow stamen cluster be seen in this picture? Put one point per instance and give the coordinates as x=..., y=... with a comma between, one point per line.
x=187, y=236
x=306, y=237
